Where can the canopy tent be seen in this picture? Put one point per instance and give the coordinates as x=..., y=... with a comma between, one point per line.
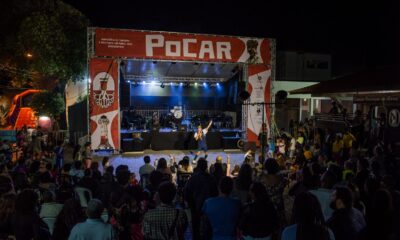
x=382, y=79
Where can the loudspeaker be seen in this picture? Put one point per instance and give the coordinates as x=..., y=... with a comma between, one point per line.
x=280, y=96
x=244, y=95
x=250, y=146
x=246, y=146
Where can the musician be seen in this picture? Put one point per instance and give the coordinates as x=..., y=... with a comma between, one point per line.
x=200, y=137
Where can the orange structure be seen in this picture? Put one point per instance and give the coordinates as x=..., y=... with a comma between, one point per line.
x=19, y=114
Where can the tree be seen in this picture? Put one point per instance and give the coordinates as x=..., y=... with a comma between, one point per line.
x=48, y=103
x=45, y=42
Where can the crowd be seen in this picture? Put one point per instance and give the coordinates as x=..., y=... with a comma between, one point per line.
x=313, y=184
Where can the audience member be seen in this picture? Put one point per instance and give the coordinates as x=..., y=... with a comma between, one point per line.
x=346, y=221
x=94, y=227
x=165, y=221
x=223, y=212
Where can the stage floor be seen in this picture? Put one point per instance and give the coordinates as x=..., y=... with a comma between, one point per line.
x=134, y=160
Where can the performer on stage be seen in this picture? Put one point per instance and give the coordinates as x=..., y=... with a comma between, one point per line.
x=200, y=137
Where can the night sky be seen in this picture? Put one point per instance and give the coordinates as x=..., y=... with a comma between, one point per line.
x=357, y=36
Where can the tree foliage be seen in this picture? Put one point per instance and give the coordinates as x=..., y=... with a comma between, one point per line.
x=47, y=103
x=52, y=31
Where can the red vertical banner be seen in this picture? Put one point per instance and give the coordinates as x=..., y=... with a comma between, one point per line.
x=259, y=87
x=104, y=104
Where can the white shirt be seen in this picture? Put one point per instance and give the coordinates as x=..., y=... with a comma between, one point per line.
x=204, y=133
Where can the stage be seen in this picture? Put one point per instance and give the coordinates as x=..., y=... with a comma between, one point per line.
x=168, y=139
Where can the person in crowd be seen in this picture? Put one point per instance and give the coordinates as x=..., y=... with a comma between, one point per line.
x=292, y=147
x=324, y=193
x=165, y=221
x=87, y=155
x=155, y=180
x=96, y=174
x=259, y=219
x=218, y=169
x=242, y=183
x=94, y=227
x=7, y=210
x=184, y=165
x=308, y=221
x=348, y=139
x=337, y=146
x=346, y=221
x=105, y=163
x=125, y=212
x=147, y=168
x=162, y=167
x=199, y=187
x=362, y=175
x=6, y=182
x=274, y=184
x=307, y=153
x=59, y=153
x=89, y=182
x=223, y=212
x=49, y=208
x=70, y=214
x=107, y=186
x=300, y=140
x=280, y=143
x=271, y=147
x=235, y=171
x=26, y=222
x=348, y=171
x=77, y=172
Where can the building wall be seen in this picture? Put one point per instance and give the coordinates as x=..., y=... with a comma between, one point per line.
x=299, y=66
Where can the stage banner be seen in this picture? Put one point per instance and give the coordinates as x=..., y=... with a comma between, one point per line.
x=104, y=104
x=181, y=46
x=259, y=87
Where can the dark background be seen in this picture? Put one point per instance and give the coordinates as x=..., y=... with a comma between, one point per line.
x=358, y=34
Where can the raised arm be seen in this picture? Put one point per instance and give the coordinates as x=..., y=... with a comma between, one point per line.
x=209, y=125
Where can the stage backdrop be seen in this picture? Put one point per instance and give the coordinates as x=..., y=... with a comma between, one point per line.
x=104, y=104
x=134, y=44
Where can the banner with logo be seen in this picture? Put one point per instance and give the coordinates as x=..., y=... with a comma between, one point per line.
x=104, y=104
x=181, y=46
x=259, y=87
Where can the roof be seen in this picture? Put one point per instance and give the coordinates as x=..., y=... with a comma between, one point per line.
x=372, y=80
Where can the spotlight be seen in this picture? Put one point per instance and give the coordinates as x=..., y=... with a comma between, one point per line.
x=152, y=82
x=171, y=84
x=129, y=81
x=217, y=84
x=205, y=84
x=162, y=85
x=195, y=84
x=180, y=84
x=144, y=82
